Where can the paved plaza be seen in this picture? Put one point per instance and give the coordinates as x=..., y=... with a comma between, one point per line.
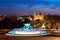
x=4, y=37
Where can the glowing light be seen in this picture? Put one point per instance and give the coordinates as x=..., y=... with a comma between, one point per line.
x=43, y=32
x=43, y=26
x=27, y=32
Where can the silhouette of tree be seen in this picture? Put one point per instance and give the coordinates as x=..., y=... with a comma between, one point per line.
x=26, y=20
x=5, y=23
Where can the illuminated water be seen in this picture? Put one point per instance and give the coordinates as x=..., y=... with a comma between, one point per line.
x=27, y=27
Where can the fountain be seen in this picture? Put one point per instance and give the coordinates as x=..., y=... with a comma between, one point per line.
x=27, y=29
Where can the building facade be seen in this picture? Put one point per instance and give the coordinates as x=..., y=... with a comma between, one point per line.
x=38, y=16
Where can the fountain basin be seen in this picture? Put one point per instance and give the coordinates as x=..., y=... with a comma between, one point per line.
x=27, y=29
x=34, y=31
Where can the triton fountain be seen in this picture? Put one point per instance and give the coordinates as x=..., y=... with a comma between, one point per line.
x=27, y=29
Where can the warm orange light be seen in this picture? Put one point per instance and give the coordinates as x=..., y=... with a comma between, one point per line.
x=43, y=26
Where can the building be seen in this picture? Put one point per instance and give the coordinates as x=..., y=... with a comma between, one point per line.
x=38, y=16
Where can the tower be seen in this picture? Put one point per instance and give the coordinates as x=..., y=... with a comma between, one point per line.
x=34, y=13
x=42, y=13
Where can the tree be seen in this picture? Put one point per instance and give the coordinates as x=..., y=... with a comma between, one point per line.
x=26, y=20
x=5, y=23
x=37, y=23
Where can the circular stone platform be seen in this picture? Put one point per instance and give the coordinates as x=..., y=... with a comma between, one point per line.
x=26, y=34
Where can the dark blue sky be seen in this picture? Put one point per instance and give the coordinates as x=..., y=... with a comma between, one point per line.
x=17, y=7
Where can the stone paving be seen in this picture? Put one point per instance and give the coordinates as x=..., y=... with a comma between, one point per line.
x=4, y=37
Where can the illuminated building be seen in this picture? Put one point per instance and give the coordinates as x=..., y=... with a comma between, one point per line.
x=38, y=19
x=38, y=16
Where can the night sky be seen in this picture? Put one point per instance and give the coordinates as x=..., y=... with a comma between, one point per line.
x=21, y=7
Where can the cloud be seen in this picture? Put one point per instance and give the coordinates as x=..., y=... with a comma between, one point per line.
x=27, y=6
